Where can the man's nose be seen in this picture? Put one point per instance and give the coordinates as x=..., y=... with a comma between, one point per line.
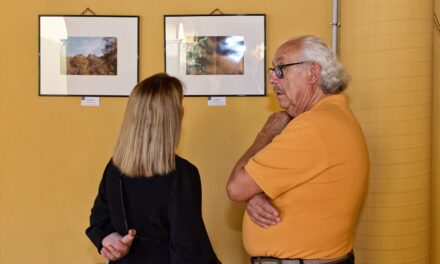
x=273, y=77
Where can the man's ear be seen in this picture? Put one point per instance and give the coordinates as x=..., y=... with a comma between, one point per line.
x=314, y=71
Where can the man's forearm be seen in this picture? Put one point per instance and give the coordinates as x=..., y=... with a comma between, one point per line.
x=241, y=186
x=260, y=142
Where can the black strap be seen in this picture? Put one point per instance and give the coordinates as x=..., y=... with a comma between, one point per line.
x=121, y=189
x=124, y=214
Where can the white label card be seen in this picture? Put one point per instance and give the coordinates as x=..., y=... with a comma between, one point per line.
x=216, y=101
x=89, y=101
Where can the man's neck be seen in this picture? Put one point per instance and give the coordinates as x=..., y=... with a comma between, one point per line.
x=310, y=99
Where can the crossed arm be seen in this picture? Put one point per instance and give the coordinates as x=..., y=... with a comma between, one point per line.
x=242, y=188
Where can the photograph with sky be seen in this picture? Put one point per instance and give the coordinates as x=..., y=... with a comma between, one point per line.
x=89, y=56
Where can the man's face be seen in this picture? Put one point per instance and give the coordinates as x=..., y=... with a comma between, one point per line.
x=291, y=88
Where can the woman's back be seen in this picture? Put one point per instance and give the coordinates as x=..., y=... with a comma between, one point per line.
x=165, y=210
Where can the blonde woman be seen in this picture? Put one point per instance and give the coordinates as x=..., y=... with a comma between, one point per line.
x=148, y=207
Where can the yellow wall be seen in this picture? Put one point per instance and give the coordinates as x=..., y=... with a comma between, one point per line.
x=387, y=47
x=435, y=235
x=53, y=151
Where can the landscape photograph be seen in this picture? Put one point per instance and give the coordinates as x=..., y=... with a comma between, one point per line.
x=215, y=55
x=89, y=56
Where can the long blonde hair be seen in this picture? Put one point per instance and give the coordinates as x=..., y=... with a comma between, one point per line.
x=151, y=127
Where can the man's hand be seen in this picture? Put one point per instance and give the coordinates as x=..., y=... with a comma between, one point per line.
x=273, y=126
x=115, y=246
x=262, y=212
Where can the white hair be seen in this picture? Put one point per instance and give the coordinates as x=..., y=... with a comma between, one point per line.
x=334, y=78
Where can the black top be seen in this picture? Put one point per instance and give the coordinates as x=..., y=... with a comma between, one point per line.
x=165, y=210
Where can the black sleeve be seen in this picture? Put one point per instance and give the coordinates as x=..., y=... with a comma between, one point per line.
x=100, y=224
x=189, y=239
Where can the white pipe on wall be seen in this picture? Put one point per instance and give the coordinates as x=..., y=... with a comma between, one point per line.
x=335, y=26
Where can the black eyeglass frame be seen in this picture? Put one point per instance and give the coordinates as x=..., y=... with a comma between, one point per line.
x=279, y=68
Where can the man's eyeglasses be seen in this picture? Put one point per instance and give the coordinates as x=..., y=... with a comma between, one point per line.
x=279, y=68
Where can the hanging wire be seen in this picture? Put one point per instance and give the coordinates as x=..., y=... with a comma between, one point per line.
x=88, y=10
x=436, y=22
x=216, y=10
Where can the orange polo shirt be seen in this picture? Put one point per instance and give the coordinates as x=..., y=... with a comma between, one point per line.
x=315, y=172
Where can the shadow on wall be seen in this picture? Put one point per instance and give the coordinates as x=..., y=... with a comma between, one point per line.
x=235, y=213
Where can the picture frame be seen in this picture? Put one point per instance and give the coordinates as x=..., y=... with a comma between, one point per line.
x=88, y=55
x=217, y=55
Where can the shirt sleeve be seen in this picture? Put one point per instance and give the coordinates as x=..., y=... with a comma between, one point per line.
x=100, y=223
x=293, y=157
x=189, y=239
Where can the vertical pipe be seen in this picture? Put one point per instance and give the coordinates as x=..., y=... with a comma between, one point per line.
x=335, y=26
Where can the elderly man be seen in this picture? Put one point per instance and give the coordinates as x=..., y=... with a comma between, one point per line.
x=305, y=175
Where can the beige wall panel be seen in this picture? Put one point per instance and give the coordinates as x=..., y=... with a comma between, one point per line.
x=435, y=233
x=387, y=47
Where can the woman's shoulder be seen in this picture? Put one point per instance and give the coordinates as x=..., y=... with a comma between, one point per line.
x=183, y=163
x=186, y=170
x=111, y=167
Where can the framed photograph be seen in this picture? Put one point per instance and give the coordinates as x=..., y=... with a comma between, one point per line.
x=217, y=55
x=88, y=55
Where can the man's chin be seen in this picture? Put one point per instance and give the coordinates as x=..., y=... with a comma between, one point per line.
x=283, y=105
x=290, y=110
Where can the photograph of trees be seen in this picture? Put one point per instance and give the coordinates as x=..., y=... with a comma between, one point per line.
x=215, y=55
x=89, y=56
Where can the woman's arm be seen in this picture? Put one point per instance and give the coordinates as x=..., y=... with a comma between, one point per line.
x=100, y=222
x=189, y=239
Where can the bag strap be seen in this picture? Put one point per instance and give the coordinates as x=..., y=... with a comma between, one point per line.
x=124, y=213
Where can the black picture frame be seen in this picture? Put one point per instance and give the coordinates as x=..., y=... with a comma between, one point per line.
x=88, y=55
x=217, y=55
